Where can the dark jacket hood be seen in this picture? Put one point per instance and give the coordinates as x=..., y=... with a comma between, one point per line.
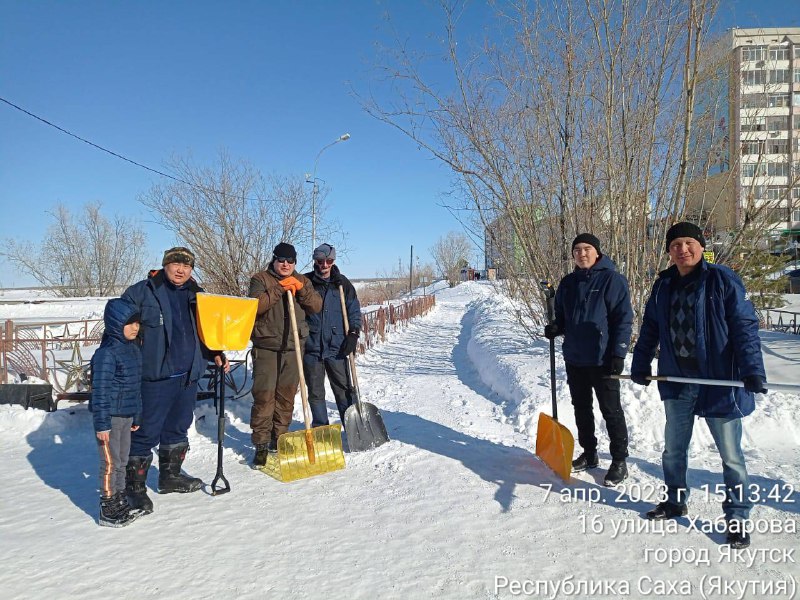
x=117, y=313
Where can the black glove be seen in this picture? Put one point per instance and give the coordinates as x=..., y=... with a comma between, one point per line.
x=617, y=365
x=551, y=331
x=350, y=343
x=755, y=384
x=641, y=378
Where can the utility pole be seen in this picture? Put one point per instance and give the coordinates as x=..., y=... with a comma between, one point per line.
x=411, y=273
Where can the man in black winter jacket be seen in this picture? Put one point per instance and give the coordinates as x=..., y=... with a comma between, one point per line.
x=328, y=344
x=594, y=314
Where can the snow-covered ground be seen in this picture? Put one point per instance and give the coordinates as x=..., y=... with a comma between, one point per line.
x=456, y=505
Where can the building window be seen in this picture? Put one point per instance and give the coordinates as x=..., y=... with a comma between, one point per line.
x=753, y=170
x=775, y=192
x=778, y=123
x=796, y=195
x=755, y=147
x=778, y=100
x=778, y=169
x=754, y=52
x=779, y=75
x=780, y=53
x=777, y=146
x=754, y=101
x=796, y=215
x=796, y=98
x=758, y=77
x=796, y=122
x=797, y=51
x=797, y=74
x=758, y=123
x=777, y=215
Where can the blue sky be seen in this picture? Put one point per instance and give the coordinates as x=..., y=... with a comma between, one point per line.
x=268, y=81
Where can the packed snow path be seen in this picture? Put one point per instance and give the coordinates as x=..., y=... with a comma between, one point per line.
x=455, y=506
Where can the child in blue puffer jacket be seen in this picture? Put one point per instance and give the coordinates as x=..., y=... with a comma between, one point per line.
x=116, y=405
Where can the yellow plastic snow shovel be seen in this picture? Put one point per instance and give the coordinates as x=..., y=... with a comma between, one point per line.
x=225, y=322
x=554, y=442
x=311, y=451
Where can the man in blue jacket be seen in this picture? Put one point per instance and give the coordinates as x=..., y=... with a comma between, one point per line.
x=593, y=312
x=328, y=344
x=173, y=360
x=704, y=327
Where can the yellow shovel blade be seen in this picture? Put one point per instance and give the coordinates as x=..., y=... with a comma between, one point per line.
x=554, y=445
x=225, y=322
x=300, y=455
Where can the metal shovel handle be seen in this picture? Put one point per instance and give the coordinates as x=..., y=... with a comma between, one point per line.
x=778, y=387
x=219, y=393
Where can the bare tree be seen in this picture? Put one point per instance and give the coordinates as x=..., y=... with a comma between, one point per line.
x=451, y=254
x=83, y=255
x=231, y=217
x=571, y=116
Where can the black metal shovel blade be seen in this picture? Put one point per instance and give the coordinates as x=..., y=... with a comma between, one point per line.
x=365, y=428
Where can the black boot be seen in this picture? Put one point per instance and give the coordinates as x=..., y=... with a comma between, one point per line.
x=113, y=513
x=170, y=478
x=617, y=473
x=587, y=460
x=136, y=483
x=260, y=458
x=667, y=510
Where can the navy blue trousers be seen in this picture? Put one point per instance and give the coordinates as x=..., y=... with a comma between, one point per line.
x=167, y=413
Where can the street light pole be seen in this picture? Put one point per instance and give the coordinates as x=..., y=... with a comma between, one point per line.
x=315, y=189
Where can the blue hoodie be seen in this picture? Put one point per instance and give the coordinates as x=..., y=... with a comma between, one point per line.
x=116, y=369
x=593, y=311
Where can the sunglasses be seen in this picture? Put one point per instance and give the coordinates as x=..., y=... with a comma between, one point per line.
x=325, y=261
x=282, y=259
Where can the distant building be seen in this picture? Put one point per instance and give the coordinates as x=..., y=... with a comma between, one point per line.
x=746, y=136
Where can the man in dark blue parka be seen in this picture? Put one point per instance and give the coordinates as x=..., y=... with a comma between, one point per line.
x=593, y=312
x=328, y=344
x=703, y=326
x=173, y=360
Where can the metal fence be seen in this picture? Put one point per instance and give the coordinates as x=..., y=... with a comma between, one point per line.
x=52, y=351
x=780, y=320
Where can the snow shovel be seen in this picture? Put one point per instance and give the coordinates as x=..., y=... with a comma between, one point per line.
x=778, y=387
x=311, y=451
x=223, y=323
x=554, y=442
x=362, y=421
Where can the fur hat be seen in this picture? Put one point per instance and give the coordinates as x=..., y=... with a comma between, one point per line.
x=284, y=250
x=178, y=254
x=324, y=251
x=587, y=238
x=685, y=229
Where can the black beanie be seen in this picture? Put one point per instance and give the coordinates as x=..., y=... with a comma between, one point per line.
x=685, y=229
x=587, y=238
x=284, y=250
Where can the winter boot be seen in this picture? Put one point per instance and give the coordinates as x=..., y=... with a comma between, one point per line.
x=260, y=458
x=587, y=460
x=170, y=478
x=737, y=537
x=113, y=513
x=136, y=483
x=617, y=473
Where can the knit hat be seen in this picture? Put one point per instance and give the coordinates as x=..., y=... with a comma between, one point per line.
x=685, y=229
x=587, y=238
x=284, y=250
x=178, y=254
x=324, y=251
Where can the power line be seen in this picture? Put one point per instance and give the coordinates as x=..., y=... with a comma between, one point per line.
x=120, y=156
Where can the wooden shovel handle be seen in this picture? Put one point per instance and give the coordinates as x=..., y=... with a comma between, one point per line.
x=350, y=357
x=303, y=392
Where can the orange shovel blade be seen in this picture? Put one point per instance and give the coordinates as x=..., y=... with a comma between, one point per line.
x=554, y=445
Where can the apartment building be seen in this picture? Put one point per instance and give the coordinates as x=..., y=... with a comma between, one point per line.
x=747, y=139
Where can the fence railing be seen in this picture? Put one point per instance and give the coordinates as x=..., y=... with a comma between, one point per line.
x=377, y=323
x=780, y=320
x=52, y=351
